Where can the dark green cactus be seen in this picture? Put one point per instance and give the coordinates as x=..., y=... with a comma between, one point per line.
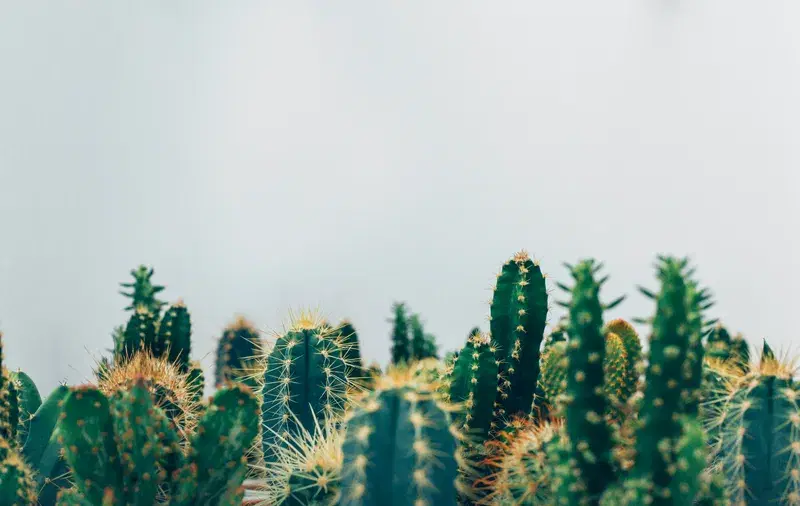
x=304, y=380
x=633, y=352
x=237, y=351
x=217, y=463
x=196, y=381
x=718, y=344
x=29, y=401
x=518, y=318
x=590, y=439
x=399, y=450
x=472, y=383
x=757, y=429
x=351, y=351
x=9, y=407
x=43, y=448
x=140, y=334
x=143, y=292
x=401, y=343
x=17, y=486
x=740, y=352
x=174, y=338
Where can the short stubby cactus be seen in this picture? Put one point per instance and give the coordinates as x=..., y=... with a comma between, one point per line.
x=304, y=379
x=168, y=386
x=589, y=437
x=518, y=319
x=757, y=435
x=174, y=338
x=400, y=448
x=633, y=353
x=351, y=351
x=140, y=334
x=237, y=352
x=524, y=468
x=472, y=382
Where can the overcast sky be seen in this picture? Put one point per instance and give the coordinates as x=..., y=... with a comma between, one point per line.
x=267, y=156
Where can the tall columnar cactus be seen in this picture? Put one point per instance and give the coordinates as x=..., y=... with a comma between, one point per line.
x=757, y=429
x=518, y=318
x=401, y=343
x=124, y=450
x=472, y=383
x=142, y=291
x=399, y=449
x=589, y=437
x=9, y=407
x=304, y=379
x=174, y=338
x=351, y=351
x=237, y=352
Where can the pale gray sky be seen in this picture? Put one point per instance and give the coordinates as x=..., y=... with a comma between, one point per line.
x=273, y=155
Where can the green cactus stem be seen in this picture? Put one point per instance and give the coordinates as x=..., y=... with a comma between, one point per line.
x=304, y=379
x=399, y=449
x=351, y=351
x=175, y=336
x=142, y=291
x=140, y=334
x=17, y=486
x=401, y=343
x=29, y=401
x=518, y=319
x=472, y=382
x=237, y=351
x=590, y=440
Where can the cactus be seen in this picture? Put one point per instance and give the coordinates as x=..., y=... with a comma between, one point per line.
x=196, y=381
x=9, y=407
x=304, y=378
x=740, y=351
x=140, y=334
x=589, y=437
x=518, y=318
x=143, y=292
x=29, y=401
x=525, y=468
x=757, y=434
x=237, y=351
x=216, y=464
x=401, y=344
x=43, y=450
x=351, y=351
x=473, y=382
x=399, y=448
x=633, y=351
x=718, y=344
x=307, y=470
x=17, y=486
x=167, y=385
x=175, y=336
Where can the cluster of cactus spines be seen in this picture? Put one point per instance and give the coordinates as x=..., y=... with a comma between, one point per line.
x=143, y=293
x=168, y=386
x=237, y=351
x=519, y=310
x=524, y=467
x=304, y=378
x=757, y=435
x=589, y=436
x=307, y=469
x=351, y=350
x=174, y=338
x=473, y=383
x=400, y=448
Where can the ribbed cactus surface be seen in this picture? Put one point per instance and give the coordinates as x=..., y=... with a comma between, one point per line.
x=237, y=351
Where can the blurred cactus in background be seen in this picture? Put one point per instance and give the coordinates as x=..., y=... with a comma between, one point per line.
x=238, y=351
x=401, y=342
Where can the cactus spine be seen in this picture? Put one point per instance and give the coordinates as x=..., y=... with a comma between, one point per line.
x=399, y=449
x=518, y=318
x=304, y=379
